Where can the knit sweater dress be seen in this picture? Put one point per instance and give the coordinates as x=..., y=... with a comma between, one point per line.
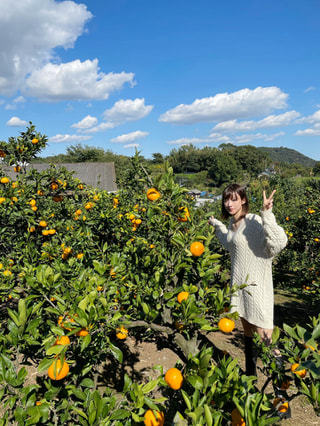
x=252, y=247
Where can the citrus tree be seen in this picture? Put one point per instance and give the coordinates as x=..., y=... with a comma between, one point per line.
x=81, y=270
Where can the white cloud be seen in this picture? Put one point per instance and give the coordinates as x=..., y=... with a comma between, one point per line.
x=85, y=123
x=131, y=145
x=122, y=112
x=16, y=122
x=257, y=136
x=309, y=89
x=268, y=122
x=130, y=137
x=19, y=100
x=311, y=119
x=224, y=106
x=127, y=110
x=312, y=131
x=102, y=127
x=32, y=30
x=13, y=105
x=220, y=138
x=75, y=80
x=68, y=138
x=189, y=141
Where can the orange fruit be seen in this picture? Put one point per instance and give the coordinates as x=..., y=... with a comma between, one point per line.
x=153, y=194
x=35, y=141
x=62, y=340
x=283, y=407
x=183, y=295
x=174, y=378
x=226, y=325
x=153, y=420
x=197, y=248
x=301, y=373
x=82, y=333
x=179, y=325
x=4, y=180
x=237, y=419
x=122, y=333
x=58, y=370
x=42, y=223
x=308, y=346
x=285, y=385
x=57, y=198
x=184, y=215
x=54, y=186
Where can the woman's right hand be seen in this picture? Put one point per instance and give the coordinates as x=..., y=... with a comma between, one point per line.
x=210, y=221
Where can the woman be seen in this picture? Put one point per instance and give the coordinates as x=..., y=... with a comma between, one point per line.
x=252, y=241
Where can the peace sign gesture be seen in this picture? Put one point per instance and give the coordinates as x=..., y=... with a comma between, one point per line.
x=268, y=202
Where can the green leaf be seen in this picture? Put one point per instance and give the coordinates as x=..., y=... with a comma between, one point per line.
x=120, y=414
x=87, y=383
x=83, y=303
x=290, y=331
x=186, y=399
x=316, y=332
x=196, y=382
x=85, y=342
x=116, y=352
x=44, y=364
x=208, y=415
x=149, y=386
x=145, y=308
x=13, y=316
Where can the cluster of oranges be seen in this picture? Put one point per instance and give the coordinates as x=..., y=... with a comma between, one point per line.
x=59, y=368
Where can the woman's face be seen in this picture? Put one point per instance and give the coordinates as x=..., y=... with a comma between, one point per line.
x=233, y=204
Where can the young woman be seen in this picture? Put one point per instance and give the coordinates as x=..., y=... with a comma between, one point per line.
x=252, y=241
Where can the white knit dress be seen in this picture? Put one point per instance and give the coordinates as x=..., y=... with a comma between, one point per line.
x=252, y=247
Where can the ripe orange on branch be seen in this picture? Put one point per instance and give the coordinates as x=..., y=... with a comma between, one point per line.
x=122, y=333
x=153, y=194
x=237, y=419
x=58, y=370
x=197, y=248
x=82, y=333
x=151, y=419
x=183, y=295
x=62, y=340
x=184, y=215
x=301, y=373
x=281, y=405
x=226, y=325
x=174, y=378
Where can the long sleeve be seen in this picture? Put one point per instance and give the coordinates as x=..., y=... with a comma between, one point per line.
x=221, y=233
x=275, y=236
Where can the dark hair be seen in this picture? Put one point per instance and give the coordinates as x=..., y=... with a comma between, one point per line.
x=228, y=193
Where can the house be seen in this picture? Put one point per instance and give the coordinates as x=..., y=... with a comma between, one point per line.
x=267, y=172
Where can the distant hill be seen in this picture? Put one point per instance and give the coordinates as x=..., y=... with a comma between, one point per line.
x=288, y=155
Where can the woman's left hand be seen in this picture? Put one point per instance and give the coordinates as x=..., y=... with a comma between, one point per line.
x=268, y=202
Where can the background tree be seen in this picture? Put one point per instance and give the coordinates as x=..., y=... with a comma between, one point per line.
x=316, y=169
x=224, y=169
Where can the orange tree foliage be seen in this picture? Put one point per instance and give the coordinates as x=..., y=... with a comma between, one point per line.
x=85, y=263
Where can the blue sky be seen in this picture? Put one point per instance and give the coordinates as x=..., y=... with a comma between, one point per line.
x=127, y=74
